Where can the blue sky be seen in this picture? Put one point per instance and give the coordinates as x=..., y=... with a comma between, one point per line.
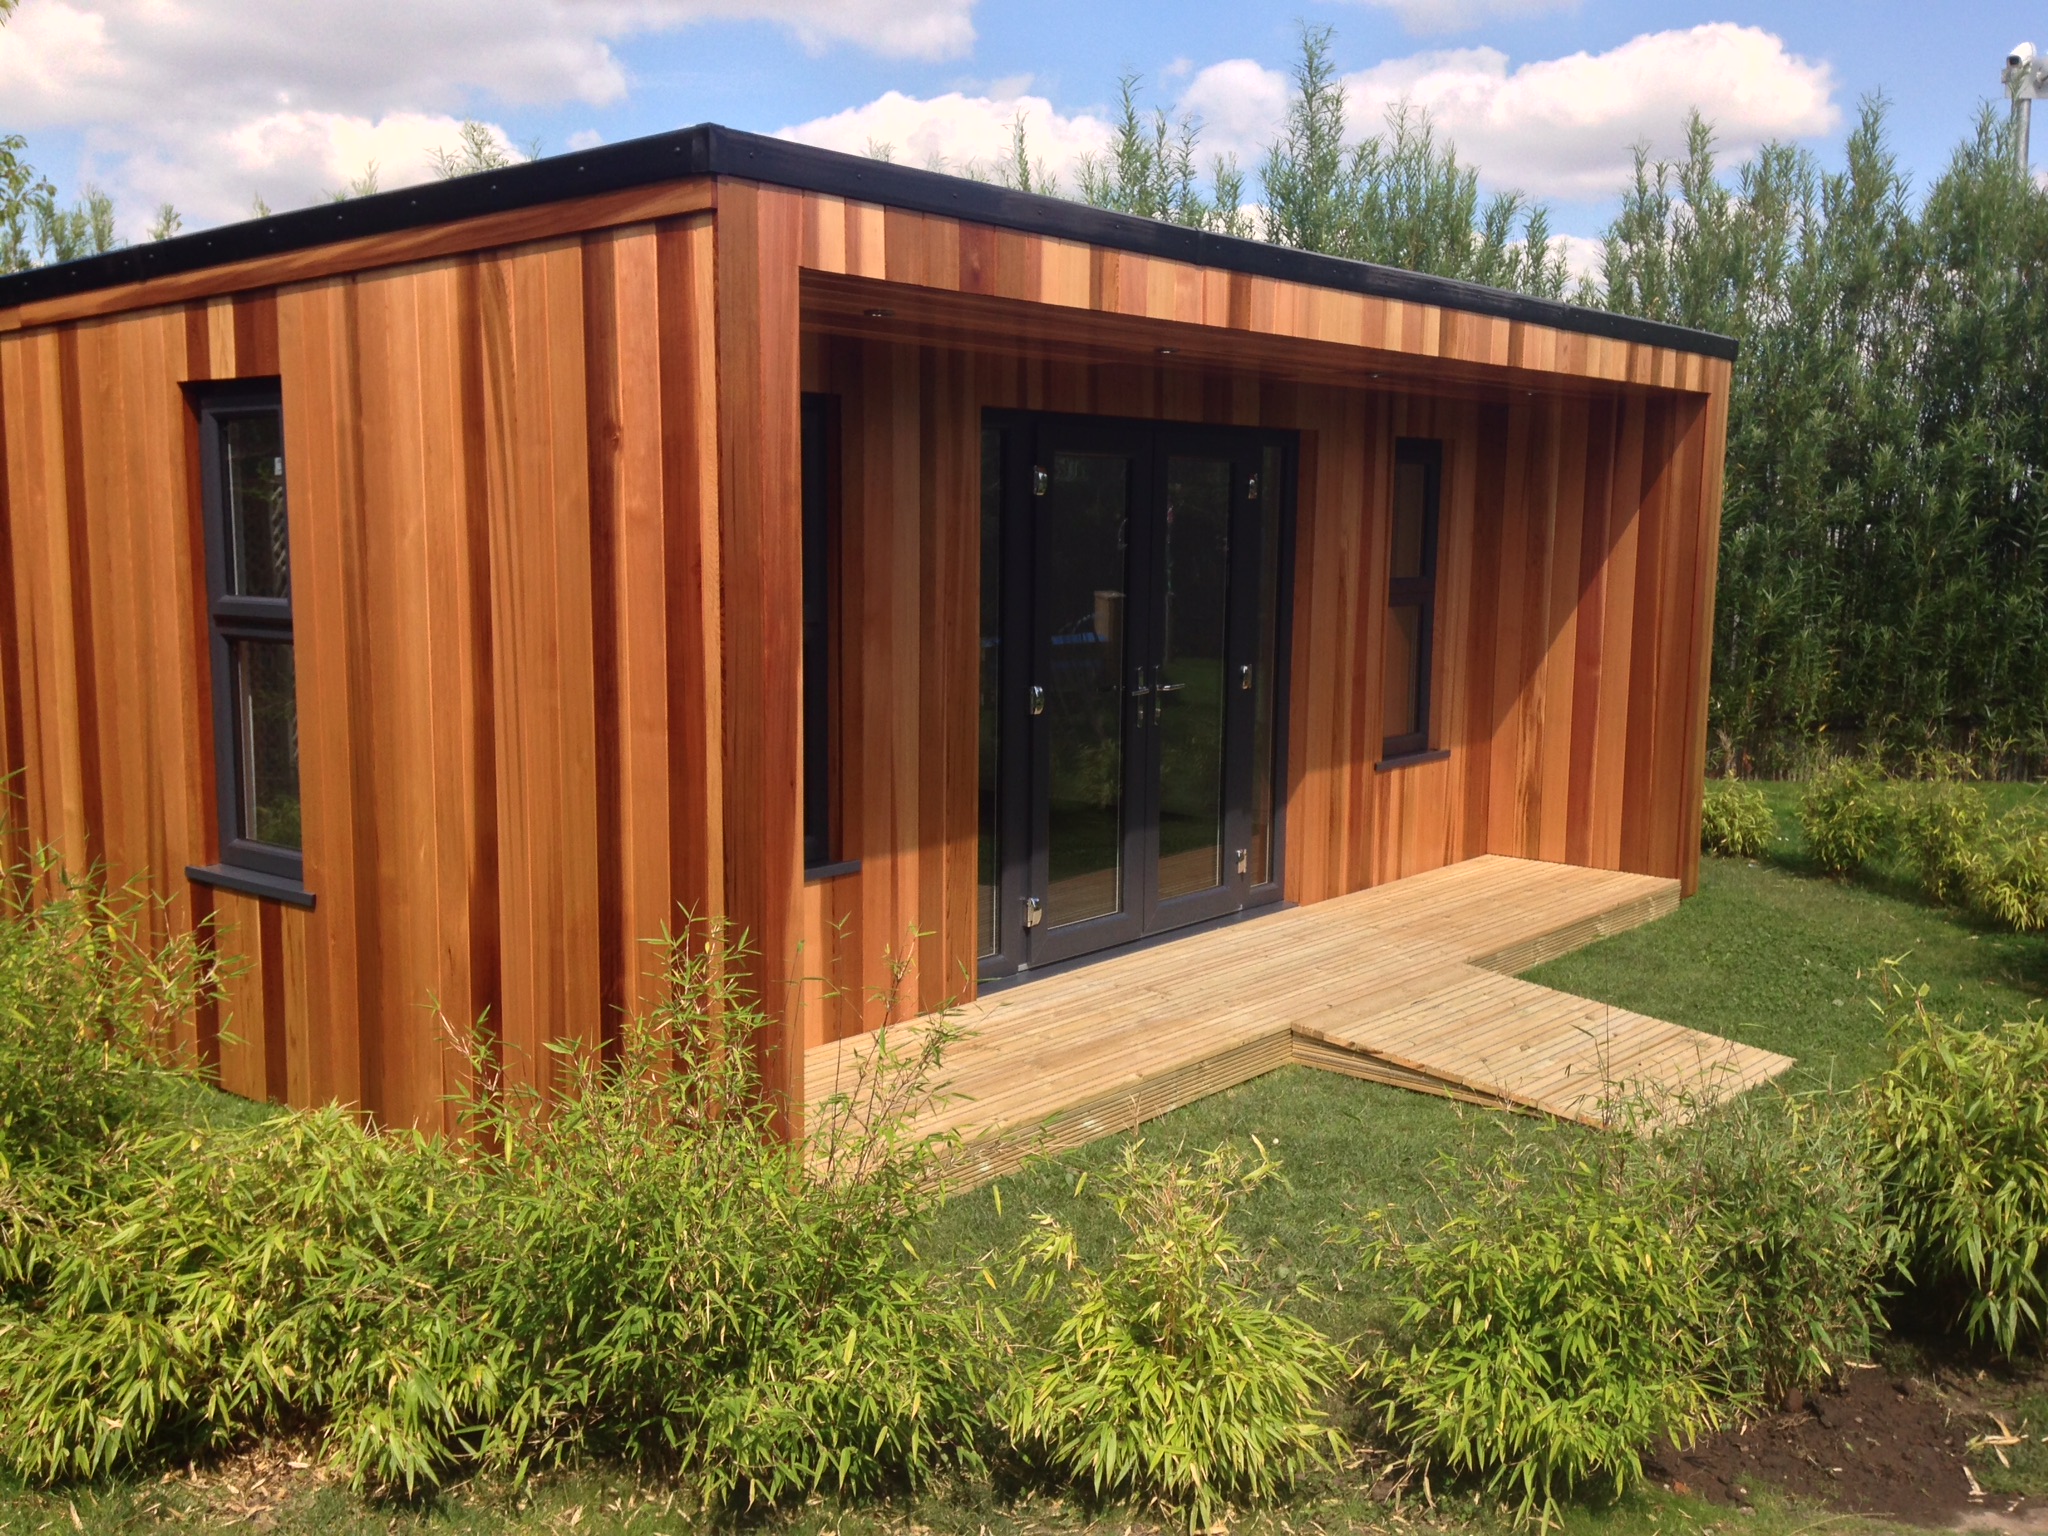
x=210, y=103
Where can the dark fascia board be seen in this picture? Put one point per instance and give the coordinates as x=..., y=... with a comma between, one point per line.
x=709, y=150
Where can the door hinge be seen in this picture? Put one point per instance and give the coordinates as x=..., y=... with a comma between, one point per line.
x=1037, y=700
x=1251, y=489
x=1243, y=863
x=1041, y=480
x=1034, y=911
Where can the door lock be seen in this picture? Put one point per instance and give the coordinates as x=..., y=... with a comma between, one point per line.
x=1034, y=911
x=1037, y=700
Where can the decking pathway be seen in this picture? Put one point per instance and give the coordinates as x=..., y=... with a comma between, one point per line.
x=1409, y=983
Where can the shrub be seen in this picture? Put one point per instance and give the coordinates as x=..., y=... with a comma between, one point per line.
x=1167, y=1379
x=1941, y=826
x=1959, y=1139
x=2012, y=876
x=91, y=982
x=1735, y=820
x=1558, y=1322
x=207, y=1286
x=637, y=1266
x=1847, y=815
x=1792, y=1214
x=1577, y=1301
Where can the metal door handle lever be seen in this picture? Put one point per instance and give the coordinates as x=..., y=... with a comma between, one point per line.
x=1170, y=687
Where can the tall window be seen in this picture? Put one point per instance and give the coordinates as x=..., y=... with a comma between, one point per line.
x=249, y=589
x=989, y=877
x=1411, y=595
x=820, y=658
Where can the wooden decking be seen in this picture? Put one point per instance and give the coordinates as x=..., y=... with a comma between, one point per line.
x=1409, y=984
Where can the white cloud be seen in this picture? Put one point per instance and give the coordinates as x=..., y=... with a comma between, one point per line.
x=1460, y=15
x=1240, y=104
x=188, y=99
x=334, y=148
x=920, y=29
x=959, y=130
x=1582, y=255
x=1562, y=128
x=1559, y=129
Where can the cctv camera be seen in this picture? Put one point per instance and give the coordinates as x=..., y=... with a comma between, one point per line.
x=2026, y=74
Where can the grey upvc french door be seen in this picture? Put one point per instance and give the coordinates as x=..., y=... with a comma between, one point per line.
x=1135, y=709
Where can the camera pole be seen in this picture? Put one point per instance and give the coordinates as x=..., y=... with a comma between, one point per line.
x=2025, y=78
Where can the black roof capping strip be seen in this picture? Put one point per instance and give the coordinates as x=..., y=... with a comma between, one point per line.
x=710, y=150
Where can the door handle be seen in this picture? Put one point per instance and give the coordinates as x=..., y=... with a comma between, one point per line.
x=1163, y=689
x=1037, y=699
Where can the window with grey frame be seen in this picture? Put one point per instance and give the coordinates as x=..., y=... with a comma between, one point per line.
x=824, y=856
x=1411, y=596
x=249, y=601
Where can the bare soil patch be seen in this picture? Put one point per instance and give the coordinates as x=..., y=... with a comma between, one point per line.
x=1873, y=1443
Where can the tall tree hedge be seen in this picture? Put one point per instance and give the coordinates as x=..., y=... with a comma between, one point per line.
x=1884, y=564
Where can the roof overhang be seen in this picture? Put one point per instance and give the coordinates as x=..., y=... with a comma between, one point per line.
x=710, y=150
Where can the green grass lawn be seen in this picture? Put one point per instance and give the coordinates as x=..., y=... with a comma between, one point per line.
x=1773, y=955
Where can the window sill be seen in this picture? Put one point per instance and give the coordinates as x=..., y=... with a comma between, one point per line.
x=816, y=872
x=1411, y=760
x=251, y=882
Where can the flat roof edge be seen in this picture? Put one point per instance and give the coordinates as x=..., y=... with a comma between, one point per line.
x=711, y=150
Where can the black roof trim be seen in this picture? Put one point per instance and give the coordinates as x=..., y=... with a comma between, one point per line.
x=709, y=150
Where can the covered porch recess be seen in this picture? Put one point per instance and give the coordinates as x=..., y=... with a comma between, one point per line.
x=1410, y=983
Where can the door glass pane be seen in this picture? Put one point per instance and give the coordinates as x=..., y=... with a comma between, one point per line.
x=1266, y=668
x=1086, y=517
x=1411, y=495
x=253, y=464
x=989, y=878
x=1192, y=658
x=1404, y=676
x=267, y=732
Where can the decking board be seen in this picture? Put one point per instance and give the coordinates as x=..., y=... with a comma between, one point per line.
x=1403, y=984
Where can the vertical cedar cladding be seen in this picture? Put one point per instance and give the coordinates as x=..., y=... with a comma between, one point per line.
x=760, y=532
x=503, y=529
x=545, y=503
x=1567, y=619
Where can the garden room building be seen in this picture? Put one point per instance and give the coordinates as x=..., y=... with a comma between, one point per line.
x=444, y=591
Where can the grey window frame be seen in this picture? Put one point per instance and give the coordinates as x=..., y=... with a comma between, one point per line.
x=232, y=617
x=1418, y=592
x=824, y=813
